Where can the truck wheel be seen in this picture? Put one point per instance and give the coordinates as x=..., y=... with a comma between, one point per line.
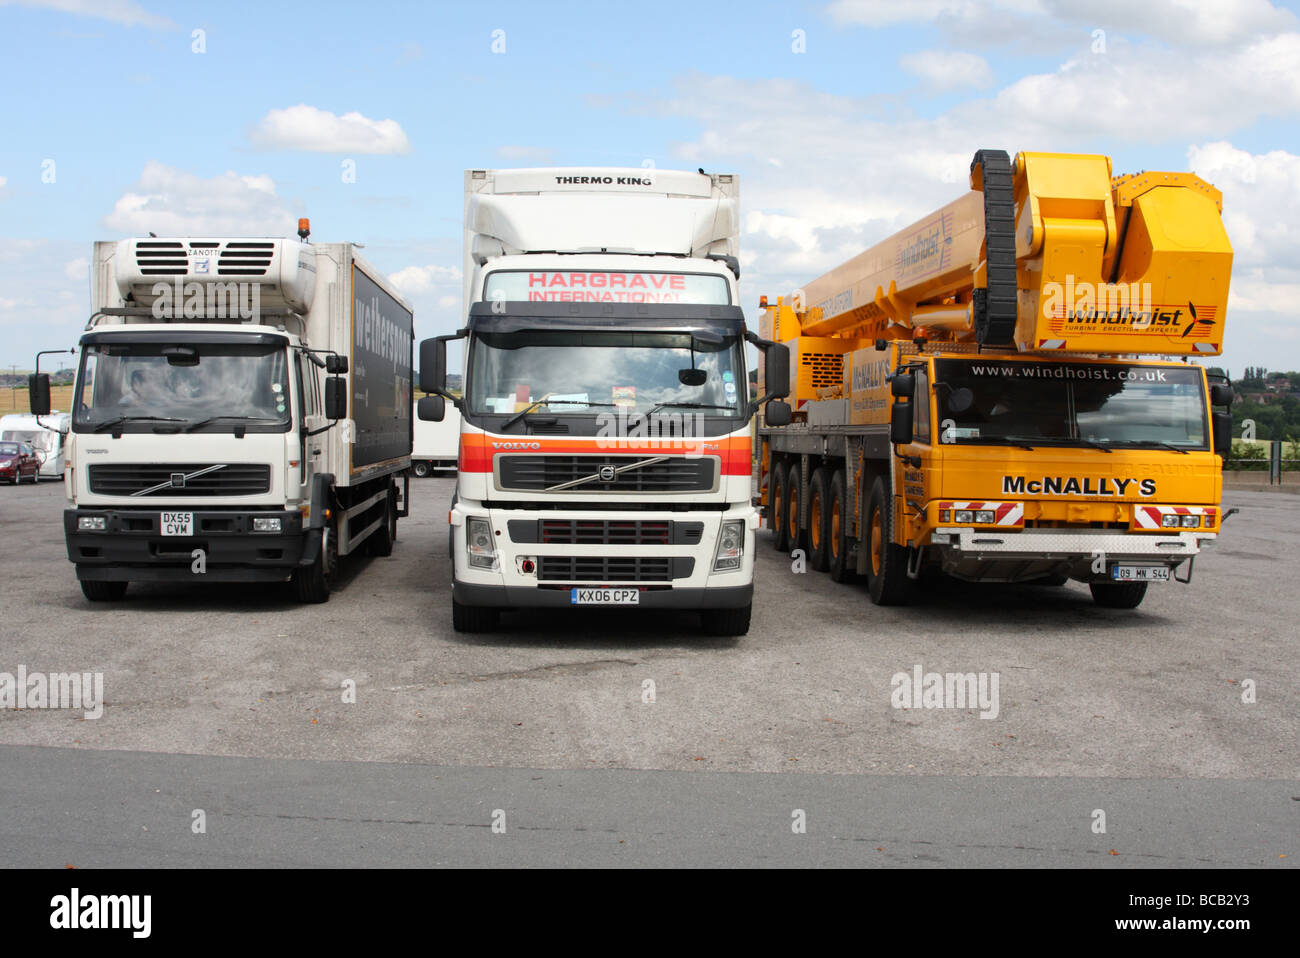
x=837, y=540
x=313, y=583
x=473, y=618
x=793, y=490
x=724, y=622
x=776, y=507
x=420, y=469
x=97, y=591
x=887, y=569
x=381, y=540
x=819, y=519
x=1118, y=595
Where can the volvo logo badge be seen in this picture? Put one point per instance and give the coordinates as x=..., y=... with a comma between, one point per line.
x=607, y=473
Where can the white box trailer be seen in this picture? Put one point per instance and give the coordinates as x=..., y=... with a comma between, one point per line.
x=244, y=414
x=436, y=445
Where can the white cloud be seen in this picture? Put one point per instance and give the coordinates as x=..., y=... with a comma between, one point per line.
x=423, y=279
x=948, y=69
x=313, y=130
x=125, y=12
x=47, y=309
x=77, y=269
x=172, y=202
x=3, y=181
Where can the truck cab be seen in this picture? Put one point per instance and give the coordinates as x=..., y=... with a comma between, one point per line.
x=605, y=451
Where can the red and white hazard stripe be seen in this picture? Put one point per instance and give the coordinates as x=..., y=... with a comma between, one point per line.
x=1150, y=517
x=1006, y=513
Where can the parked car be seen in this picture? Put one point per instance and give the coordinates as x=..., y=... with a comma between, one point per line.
x=18, y=460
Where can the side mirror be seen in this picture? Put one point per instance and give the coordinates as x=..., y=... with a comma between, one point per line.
x=336, y=398
x=777, y=370
x=38, y=393
x=1221, y=423
x=777, y=413
x=336, y=365
x=431, y=408
x=900, y=423
x=433, y=366
x=1221, y=395
x=902, y=385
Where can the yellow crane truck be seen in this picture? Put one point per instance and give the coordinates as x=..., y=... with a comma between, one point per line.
x=1006, y=389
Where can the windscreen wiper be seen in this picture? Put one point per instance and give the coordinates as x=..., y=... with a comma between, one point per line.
x=211, y=419
x=1150, y=442
x=685, y=405
x=548, y=402
x=108, y=423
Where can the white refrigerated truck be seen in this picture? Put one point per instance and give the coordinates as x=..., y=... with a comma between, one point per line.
x=242, y=413
x=605, y=438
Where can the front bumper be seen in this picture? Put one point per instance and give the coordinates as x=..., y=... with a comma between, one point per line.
x=525, y=597
x=132, y=548
x=996, y=555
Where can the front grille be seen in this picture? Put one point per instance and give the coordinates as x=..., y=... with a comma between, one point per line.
x=245, y=259
x=603, y=569
x=131, y=479
x=607, y=532
x=537, y=473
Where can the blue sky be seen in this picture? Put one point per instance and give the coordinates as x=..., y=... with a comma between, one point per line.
x=869, y=126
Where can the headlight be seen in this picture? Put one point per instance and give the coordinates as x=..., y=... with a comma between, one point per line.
x=731, y=546
x=266, y=525
x=1191, y=522
x=92, y=523
x=985, y=515
x=964, y=515
x=482, y=547
x=1169, y=522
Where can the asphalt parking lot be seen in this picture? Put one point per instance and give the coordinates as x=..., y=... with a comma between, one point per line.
x=1156, y=694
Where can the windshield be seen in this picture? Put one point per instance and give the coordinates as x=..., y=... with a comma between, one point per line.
x=1071, y=404
x=138, y=381
x=580, y=373
x=8, y=448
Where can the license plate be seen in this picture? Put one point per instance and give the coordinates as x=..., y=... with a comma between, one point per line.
x=176, y=523
x=604, y=596
x=1140, y=573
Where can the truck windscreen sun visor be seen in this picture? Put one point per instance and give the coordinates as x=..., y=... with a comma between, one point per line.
x=606, y=286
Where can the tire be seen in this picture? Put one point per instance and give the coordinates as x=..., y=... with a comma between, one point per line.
x=420, y=469
x=725, y=622
x=314, y=583
x=837, y=541
x=776, y=507
x=819, y=516
x=887, y=563
x=381, y=541
x=99, y=591
x=1118, y=595
x=793, y=490
x=473, y=618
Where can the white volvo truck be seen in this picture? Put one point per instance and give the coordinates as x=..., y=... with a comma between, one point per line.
x=605, y=438
x=242, y=413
